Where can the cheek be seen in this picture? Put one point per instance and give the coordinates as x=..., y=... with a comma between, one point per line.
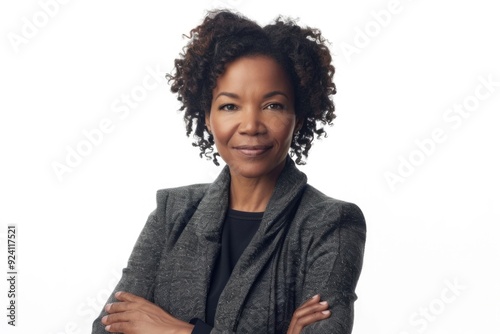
x=283, y=129
x=221, y=131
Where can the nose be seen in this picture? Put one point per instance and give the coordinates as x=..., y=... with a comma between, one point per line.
x=251, y=122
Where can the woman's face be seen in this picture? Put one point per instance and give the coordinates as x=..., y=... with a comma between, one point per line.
x=252, y=116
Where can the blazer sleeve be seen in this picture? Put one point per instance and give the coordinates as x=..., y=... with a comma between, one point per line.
x=139, y=275
x=334, y=264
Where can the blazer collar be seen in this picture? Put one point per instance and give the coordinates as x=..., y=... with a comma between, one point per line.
x=261, y=251
x=215, y=202
x=202, y=236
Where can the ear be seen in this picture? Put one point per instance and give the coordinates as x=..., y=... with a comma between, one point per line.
x=298, y=126
x=207, y=122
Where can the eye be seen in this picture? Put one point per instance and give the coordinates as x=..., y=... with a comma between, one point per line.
x=276, y=106
x=228, y=107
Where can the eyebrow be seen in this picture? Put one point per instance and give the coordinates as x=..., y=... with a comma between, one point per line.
x=266, y=96
x=275, y=92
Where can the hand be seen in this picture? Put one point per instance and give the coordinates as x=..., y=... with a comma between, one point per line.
x=311, y=311
x=136, y=315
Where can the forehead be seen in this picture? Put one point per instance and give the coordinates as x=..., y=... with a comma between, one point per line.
x=261, y=71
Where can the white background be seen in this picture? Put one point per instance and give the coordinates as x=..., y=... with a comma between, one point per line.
x=435, y=227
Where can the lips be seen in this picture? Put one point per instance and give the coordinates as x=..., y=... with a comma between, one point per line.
x=252, y=150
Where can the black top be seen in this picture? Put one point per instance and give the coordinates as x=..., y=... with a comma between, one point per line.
x=237, y=232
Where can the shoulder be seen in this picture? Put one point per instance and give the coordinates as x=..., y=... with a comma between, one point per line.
x=179, y=200
x=187, y=193
x=319, y=210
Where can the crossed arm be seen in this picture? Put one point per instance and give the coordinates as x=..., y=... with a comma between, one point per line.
x=135, y=315
x=130, y=314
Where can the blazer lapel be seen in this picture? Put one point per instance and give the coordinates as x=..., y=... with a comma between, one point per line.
x=264, y=245
x=194, y=253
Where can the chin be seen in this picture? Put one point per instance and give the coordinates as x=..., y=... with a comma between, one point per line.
x=254, y=169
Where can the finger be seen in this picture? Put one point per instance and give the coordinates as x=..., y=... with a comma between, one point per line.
x=128, y=297
x=130, y=302
x=118, y=317
x=120, y=327
x=308, y=309
x=307, y=315
x=118, y=307
x=314, y=299
x=311, y=301
x=311, y=318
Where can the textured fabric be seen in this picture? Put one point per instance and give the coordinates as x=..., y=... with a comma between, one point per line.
x=200, y=327
x=239, y=228
x=307, y=243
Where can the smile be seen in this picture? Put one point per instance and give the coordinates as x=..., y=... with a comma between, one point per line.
x=253, y=151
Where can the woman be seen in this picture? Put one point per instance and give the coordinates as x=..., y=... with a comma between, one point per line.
x=258, y=250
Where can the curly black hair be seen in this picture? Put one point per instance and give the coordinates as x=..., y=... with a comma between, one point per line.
x=225, y=36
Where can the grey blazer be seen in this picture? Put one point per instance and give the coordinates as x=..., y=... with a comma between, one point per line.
x=307, y=243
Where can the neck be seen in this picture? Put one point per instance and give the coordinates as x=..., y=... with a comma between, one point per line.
x=252, y=194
